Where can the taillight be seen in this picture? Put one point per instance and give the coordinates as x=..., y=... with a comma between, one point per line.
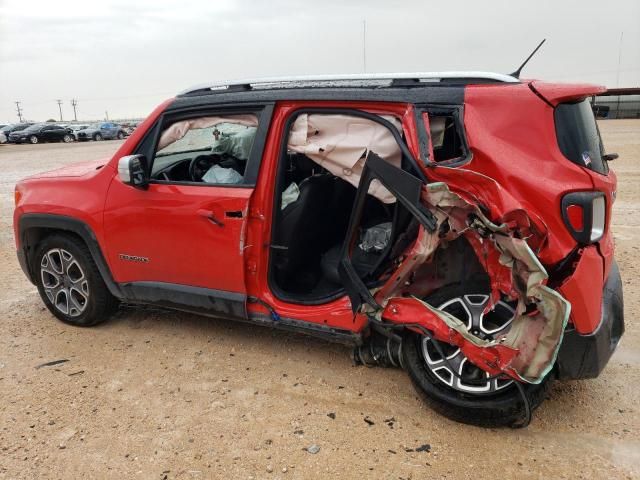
x=585, y=214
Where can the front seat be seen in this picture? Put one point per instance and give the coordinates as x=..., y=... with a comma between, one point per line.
x=303, y=228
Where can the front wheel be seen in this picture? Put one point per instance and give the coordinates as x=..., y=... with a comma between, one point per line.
x=97, y=137
x=67, y=138
x=69, y=282
x=452, y=385
x=33, y=139
x=120, y=135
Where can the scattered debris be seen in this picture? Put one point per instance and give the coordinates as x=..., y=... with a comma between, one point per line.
x=269, y=469
x=331, y=415
x=368, y=421
x=52, y=363
x=422, y=448
x=390, y=422
x=313, y=449
x=79, y=372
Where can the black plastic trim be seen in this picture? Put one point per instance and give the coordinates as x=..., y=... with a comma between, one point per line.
x=187, y=298
x=457, y=112
x=315, y=330
x=226, y=305
x=585, y=356
x=585, y=201
x=29, y=221
x=436, y=93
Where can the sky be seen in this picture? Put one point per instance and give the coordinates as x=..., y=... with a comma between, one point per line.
x=122, y=57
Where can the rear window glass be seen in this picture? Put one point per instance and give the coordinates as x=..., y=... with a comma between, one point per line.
x=578, y=136
x=446, y=138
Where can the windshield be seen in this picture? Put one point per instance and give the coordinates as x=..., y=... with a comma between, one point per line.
x=578, y=136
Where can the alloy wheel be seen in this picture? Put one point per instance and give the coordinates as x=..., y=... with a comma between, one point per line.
x=448, y=358
x=64, y=281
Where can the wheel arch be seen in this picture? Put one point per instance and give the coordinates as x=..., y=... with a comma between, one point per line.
x=33, y=228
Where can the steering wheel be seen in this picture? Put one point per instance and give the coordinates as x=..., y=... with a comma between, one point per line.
x=199, y=165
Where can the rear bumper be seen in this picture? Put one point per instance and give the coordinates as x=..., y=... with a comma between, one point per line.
x=585, y=356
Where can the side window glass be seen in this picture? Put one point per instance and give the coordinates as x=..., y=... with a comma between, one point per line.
x=211, y=150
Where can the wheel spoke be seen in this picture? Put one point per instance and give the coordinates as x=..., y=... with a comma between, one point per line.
x=475, y=304
x=455, y=369
x=62, y=300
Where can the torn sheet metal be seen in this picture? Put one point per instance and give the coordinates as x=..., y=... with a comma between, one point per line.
x=528, y=351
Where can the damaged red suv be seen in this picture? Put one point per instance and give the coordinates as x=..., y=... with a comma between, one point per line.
x=456, y=225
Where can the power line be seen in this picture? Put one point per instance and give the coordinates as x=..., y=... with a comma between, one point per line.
x=19, y=110
x=74, y=102
x=60, y=108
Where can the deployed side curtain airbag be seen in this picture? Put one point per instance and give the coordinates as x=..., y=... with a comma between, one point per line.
x=179, y=129
x=341, y=143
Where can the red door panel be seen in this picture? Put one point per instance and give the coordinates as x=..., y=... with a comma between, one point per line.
x=191, y=235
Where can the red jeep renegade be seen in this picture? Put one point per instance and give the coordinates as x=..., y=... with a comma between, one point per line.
x=453, y=224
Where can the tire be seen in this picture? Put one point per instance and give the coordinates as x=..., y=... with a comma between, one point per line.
x=69, y=282
x=120, y=135
x=503, y=407
x=97, y=137
x=67, y=138
x=33, y=139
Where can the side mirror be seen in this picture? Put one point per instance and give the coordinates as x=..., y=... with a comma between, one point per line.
x=132, y=170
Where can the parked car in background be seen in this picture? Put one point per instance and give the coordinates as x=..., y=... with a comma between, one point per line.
x=42, y=132
x=3, y=138
x=102, y=131
x=76, y=128
x=7, y=130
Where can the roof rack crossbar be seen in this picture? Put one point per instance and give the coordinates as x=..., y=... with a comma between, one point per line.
x=397, y=78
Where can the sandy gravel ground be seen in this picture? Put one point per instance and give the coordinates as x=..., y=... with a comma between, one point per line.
x=165, y=395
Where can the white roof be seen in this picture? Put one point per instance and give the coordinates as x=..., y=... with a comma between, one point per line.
x=362, y=78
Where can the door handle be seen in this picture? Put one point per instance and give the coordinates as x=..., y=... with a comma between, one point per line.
x=211, y=217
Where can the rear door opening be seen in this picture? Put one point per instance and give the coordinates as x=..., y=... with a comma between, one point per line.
x=318, y=174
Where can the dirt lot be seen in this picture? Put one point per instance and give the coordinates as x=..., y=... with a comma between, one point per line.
x=156, y=394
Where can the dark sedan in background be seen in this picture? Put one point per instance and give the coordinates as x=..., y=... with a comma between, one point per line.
x=7, y=130
x=42, y=132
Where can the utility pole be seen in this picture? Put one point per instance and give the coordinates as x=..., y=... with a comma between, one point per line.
x=60, y=108
x=106, y=115
x=618, y=73
x=19, y=110
x=364, y=45
x=74, y=102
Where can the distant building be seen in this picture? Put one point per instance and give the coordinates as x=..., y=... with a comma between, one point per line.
x=617, y=103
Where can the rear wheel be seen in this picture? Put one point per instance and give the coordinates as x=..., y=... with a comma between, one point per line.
x=120, y=135
x=69, y=282
x=449, y=382
x=33, y=139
